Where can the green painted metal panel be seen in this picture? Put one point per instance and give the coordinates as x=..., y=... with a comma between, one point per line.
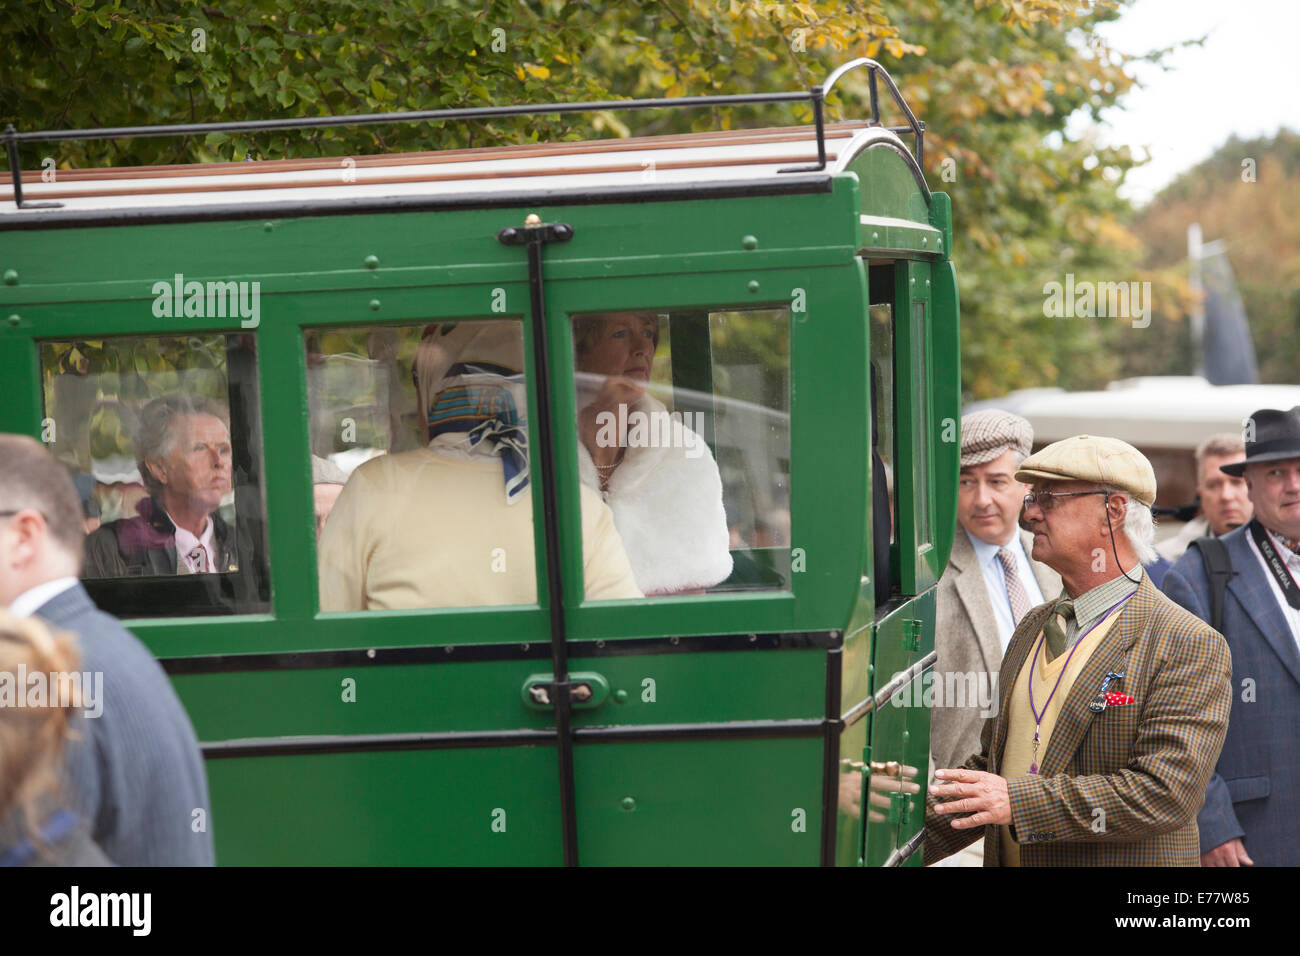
x=475, y=807
x=888, y=186
x=945, y=356
x=724, y=803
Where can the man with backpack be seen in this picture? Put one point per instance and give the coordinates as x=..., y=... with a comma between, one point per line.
x=1245, y=586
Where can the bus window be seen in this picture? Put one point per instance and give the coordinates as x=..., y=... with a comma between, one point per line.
x=883, y=458
x=426, y=425
x=162, y=435
x=684, y=430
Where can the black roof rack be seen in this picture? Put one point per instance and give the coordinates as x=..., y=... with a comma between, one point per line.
x=816, y=95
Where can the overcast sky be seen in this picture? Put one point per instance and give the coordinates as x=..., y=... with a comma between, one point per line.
x=1244, y=80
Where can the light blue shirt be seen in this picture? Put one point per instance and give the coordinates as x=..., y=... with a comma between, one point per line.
x=995, y=581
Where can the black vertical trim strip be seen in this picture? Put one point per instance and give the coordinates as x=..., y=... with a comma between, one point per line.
x=831, y=755
x=545, y=458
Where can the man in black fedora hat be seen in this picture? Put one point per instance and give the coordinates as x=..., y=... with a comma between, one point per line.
x=1253, y=800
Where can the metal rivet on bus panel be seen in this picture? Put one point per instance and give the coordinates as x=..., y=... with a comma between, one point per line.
x=448, y=649
x=925, y=240
x=620, y=696
x=374, y=305
x=674, y=640
x=600, y=643
x=371, y=653
x=628, y=803
x=372, y=262
x=913, y=280
x=533, y=219
x=749, y=242
x=753, y=638
x=875, y=237
x=11, y=277
x=268, y=226
x=15, y=319
x=753, y=285
x=939, y=242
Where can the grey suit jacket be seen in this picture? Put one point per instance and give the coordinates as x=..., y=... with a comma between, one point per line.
x=966, y=638
x=1254, y=794
x=136, y=774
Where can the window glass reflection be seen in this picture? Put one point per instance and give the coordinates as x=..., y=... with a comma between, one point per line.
x=162, y=435
x=655, y=391
x=436, y=506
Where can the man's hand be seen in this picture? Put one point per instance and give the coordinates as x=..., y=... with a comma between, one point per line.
x=1232, y=853
x=983, y=795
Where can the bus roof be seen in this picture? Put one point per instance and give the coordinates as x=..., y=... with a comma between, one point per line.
x=605, y=165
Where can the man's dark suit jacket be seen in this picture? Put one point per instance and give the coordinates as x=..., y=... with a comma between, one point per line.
x=136, y=773
x=1254, y=793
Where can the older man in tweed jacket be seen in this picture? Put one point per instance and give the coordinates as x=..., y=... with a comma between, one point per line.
x=1114, y=701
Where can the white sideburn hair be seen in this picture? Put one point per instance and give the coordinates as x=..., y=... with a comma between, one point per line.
x=1139, y=526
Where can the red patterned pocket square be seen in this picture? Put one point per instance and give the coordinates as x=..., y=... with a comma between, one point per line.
x=1116, y=699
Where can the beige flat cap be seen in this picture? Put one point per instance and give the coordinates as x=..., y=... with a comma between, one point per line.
x=1102, y=461
x=986, y=435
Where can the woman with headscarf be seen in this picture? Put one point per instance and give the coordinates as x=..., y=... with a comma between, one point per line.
x=451, y=524
x=656, y=474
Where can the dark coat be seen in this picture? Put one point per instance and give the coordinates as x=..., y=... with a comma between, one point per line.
x=1255, y=791
x=134, y=772
x=146, y=545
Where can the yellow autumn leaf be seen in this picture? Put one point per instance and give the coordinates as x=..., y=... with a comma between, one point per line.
x=540, y=72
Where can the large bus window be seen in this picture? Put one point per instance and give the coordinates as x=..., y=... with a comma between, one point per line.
x=684, y=431
x=426, y=426
x=162, y=435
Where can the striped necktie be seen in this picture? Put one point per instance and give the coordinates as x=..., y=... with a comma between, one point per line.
x=198, y=560
x=1015, y=587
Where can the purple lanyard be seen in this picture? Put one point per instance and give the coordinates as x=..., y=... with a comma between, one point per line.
x=1038, y=717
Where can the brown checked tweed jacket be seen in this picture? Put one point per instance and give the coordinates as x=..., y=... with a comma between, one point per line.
x=1121, y=787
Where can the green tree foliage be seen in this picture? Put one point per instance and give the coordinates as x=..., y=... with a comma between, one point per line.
x=995, y=81
x=1248, y=195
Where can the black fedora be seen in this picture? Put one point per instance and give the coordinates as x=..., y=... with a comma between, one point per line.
x=1277, y=436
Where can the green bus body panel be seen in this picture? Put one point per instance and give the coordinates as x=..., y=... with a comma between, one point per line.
x=720, y=803
x=681, y=801
x=945, y=361
x=407, y=808
x=898, y=732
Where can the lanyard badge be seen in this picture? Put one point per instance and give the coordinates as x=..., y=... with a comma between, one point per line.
x=1098, y=703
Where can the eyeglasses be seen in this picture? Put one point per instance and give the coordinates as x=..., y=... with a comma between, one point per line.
x=1046, y=499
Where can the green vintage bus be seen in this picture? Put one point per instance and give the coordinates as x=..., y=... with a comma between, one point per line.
x=807, y=319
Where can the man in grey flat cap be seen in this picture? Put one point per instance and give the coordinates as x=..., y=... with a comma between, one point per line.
x=989, y=584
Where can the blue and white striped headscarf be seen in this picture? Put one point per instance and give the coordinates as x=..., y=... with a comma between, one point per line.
x=477, y=405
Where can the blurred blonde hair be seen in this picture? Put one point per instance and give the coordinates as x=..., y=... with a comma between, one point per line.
x=32, y=738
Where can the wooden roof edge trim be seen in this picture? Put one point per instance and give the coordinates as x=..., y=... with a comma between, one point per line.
x=482, y=153
x=7, y=193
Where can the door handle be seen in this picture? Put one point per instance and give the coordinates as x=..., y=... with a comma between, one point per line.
x=587, y=690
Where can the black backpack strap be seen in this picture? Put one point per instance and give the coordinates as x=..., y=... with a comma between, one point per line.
x=1218, y=569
